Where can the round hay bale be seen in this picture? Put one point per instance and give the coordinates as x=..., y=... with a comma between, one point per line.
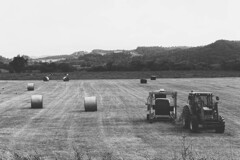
x=65, y=79
x=90, y=104
x=37, y=101
x=30, y=86
x=46, y=78
x=143, y=81
x=153, y=77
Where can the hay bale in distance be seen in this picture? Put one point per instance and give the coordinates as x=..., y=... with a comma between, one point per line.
x=46, y=78
x=143, y=81
x=66, y=78
x=37, y=101
x=153, y=77
x=30, y=86
x=90, y=104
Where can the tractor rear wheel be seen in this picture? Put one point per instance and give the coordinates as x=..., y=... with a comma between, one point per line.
x=186, y=117
x=151, y=120
x=147, y=116
x=221, y=128
x=194, y=124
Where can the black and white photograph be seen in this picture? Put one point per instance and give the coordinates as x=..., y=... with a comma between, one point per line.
x=119, y=80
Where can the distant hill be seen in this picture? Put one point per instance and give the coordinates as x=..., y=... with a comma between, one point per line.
x=101, y=52
x=108, y=52
x=77, y=54
x=157, y=50
x=56, y=58
x=222, y=54
x=217, y=52
x=217, y=55
x=214, y=52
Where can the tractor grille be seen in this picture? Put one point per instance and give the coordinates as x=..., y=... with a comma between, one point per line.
x=208, y=117
x=208, y=113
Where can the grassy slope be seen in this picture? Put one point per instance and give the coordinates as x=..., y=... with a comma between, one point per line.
x=118, y=127
x=121, y=75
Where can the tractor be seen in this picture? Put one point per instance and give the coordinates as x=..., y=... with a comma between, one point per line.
x=158, y=105
x=202, y=112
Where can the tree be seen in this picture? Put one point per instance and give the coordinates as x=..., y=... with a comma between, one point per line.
x=19, y=63
x=137, y=64
x=109, y=66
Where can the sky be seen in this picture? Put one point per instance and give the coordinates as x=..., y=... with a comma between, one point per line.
x=52, y=27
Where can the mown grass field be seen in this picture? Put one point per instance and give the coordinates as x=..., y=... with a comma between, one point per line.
x=62, y=129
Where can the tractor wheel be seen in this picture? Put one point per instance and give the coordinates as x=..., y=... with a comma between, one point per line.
x=194, y=124
x=151, y=120
x=221, y=129
x=147, y=116
x=186, y=117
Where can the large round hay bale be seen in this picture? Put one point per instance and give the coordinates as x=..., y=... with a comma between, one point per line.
x=46, y=78
x=37, y=101
x=65, y=79
x=143, y=81
x=30, y=86
x=90, y=103
x=153, y=77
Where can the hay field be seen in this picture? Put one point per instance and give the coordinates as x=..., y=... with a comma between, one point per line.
x=63, y=130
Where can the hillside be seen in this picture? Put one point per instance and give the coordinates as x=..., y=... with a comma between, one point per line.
x=222, y=54
x=212, y=53
x=216, y=52
x=74, y=55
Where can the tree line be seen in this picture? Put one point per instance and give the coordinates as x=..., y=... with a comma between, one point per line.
x=155, y=65
x=20, y=64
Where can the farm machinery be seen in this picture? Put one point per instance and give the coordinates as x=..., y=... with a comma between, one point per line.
x=202, y=111
x=158, y=105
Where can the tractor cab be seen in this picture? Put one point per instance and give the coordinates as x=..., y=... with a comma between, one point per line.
x=159, y=105
x=202, y=103
x=205, y=98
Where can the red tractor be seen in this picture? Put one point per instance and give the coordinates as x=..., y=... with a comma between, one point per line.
x=202, y=112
